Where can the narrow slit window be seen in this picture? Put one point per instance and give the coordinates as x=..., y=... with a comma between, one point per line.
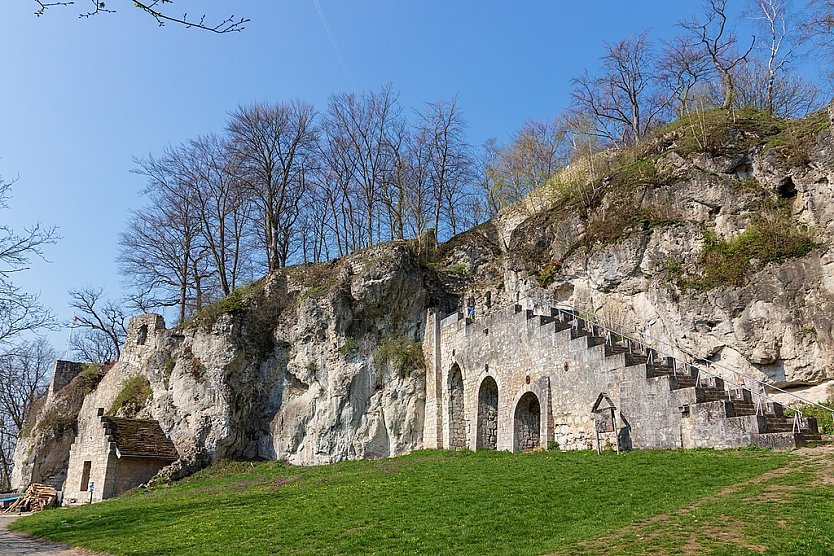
x=85, y=476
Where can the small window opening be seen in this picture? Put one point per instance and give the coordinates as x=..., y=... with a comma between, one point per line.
x=143, y=335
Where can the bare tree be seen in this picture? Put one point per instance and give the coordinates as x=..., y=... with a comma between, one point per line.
x=155, y=9
x=20, y=312
x=682, y=68
x=536, y=152
x=275, y=148
x=162, y=255
x=449, y=160
x=781, y=29
x=489, y=183
x=334, y=188
x=418, y=195
x=714, y=35
x=359, y=136
x=625, y=100
x=818, y=27
x=24, y=370
x=819, y=24
x=101, y=325
x=223, y=204
x=787, y=95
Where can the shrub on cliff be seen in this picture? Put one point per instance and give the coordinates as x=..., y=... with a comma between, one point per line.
x=132, y=397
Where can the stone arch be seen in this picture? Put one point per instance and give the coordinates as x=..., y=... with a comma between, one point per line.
x=487, y=414
x=527, y=423
x=457, y=423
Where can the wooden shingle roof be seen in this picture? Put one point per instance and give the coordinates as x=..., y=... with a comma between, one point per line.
x=139, y=438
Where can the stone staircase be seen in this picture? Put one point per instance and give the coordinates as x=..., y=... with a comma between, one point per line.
x=764, y=423
x=565, y=360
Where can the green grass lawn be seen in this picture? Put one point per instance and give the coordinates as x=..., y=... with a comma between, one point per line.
x=456, y=502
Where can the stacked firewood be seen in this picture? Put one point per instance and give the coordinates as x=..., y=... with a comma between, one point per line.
x=37, y=497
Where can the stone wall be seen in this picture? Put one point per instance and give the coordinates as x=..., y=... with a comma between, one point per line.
x=457, y=420
x=62, y=373
x=132, y=472
x=110, y=472
x=91, y=445
x=528, y=362
x=526, y=380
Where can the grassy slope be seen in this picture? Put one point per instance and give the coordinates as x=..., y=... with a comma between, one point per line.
x=428, y=502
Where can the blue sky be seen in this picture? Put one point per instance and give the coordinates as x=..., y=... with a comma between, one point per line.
x=81, y=97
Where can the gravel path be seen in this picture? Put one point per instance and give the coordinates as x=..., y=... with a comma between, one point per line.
x=13, y=543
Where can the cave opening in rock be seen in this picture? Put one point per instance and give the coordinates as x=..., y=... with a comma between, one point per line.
x=488, y=414
x=786, y=188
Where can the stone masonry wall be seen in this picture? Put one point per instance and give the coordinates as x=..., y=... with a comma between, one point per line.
x=521, y=356
x=62, y=373
x=527, y=382
x=91, y=445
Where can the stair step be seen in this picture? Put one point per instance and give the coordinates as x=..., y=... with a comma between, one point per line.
x=577, y=333
x=683, y=381
x=775, y=423
x=662, y=370
x=560, y=326
x=741, y=408
x=711, y=394
x=635, y=359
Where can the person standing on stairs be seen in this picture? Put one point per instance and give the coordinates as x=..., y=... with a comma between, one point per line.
x=470, y=307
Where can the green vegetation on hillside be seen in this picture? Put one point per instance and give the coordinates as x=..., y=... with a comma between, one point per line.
x=400, y=354
x=234, y=303
x=717, y=132
x=132, y=397
x=770, y=238
x=437, y=502
x=797, y=137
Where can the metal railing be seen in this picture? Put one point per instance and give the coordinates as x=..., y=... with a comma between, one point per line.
x=647, y=345
x=644, y=344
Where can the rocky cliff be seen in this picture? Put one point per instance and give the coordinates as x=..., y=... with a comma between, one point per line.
x=715, y=236
x=316, y=364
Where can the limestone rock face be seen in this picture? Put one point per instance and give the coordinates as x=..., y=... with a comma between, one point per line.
x=776, y=325
x=297, y=375
x=317, y=366
x=42, y=451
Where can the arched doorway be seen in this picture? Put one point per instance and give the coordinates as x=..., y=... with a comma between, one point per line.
x=488, y=415
x=527, y=423
x=457, y=425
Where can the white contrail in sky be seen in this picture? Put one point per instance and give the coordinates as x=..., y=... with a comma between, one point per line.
x=332, y=39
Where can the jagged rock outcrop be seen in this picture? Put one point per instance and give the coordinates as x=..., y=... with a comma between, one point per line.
x=42, y=451
x=634, y=256
x=316, y=364
x=311, y=366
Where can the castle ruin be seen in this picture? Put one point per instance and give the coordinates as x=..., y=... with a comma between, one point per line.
x=517, y=380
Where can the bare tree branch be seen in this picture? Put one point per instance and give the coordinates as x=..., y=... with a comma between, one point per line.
x=154, y=8
x=20, y=311
x=719, y=42
x=102, y=325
